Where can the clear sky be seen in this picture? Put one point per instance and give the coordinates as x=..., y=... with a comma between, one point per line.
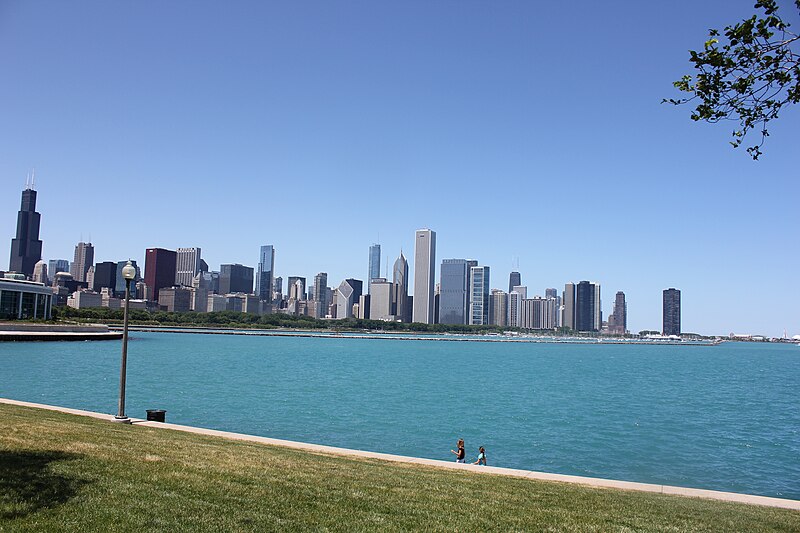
x=522, y=132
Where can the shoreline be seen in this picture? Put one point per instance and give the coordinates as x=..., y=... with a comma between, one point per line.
x=403, y=336
x=750, y=499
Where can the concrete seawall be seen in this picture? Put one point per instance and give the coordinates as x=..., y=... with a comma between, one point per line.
x=11, y=331
x=544, y=476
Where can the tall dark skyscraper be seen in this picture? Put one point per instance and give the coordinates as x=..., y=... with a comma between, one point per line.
x=26, y=248
x=159, y=269
x=235, y=278
x=586, y=302
x=514, y=280
x=672, y=312
x=105, y=275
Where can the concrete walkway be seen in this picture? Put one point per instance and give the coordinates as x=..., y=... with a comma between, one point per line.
x=318, y=448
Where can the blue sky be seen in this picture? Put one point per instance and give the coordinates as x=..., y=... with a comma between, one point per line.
x=524, y=132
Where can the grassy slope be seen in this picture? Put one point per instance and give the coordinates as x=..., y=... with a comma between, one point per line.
x=64, y=472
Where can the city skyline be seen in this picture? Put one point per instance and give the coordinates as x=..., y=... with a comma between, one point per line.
x=307, y=101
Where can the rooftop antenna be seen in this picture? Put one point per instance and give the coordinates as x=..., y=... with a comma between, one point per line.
x=33, y=179
x=27, y=181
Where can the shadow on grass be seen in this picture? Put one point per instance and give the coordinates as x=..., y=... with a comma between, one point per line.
x=27, y=484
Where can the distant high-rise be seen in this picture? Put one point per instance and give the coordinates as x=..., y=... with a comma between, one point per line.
x=187, y=265
x=119, y=280
x=672, y=312
x=498, y=307
x=105, y=275
x=587, y=302
x=381, y=300
x=235, y=278
x=277, y=288
x=320, y=295
x=424, y=273
x=479, y=295
x=514, y=279
x=568, y=302
x=84, y=258
x=400, y=280
x=297, y=288
x=374, y=264
x=159, y=270
x=348, y=293
x=454, y=291
x=618, y=320
x=40, y=273
x=57, y=265
x=551, y=293
x=515, y=298
x=265, y=273
x=26, y=248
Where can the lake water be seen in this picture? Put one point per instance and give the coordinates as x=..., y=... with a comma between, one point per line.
x=721, y=417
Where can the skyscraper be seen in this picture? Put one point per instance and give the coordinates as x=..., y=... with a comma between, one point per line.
x=297, y=288
x=26, y=248
x=187, y=265
x=235, y=278
x=424, y=273
x=320, y=295
x=479, y=295
x=57, y=265
x=672, y=312
x=618, y=320
x=515, y=298
x=119, y=280
x=400, y=280
x=265, y=273
x=374, y=264
x=568, y=301
x=587, y=302
x=348, y=293
x=454, y=291
x=498, y=307
x=514, y=279
x=105, y=275
x=40, y=273
x=159, y=270
x=84, y=258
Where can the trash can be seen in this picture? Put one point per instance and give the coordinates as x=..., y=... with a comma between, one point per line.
x=156, y=415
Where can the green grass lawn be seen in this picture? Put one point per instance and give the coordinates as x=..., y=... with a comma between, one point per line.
x=61, y=472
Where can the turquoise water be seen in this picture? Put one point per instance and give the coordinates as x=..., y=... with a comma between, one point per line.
x=721, y=417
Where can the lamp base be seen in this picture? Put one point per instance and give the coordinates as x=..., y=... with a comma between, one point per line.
x=121, y=420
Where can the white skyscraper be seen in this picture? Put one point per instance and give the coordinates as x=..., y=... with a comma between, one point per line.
x=187, y=265
x=424, y=272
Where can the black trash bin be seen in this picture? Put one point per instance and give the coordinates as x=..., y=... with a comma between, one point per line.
x=156, y=415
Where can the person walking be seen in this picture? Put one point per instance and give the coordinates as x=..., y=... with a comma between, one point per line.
x=481, y=457
x=460, y=452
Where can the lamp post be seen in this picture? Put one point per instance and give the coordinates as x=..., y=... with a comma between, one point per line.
x=128, y=272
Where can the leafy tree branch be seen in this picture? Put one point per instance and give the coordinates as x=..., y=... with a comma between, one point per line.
x=746, y=74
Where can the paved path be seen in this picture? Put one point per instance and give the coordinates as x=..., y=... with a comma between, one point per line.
x=318, y=448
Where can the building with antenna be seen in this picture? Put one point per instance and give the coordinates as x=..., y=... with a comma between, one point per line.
x=83, y=259
x=26, y=247
x=374, y=264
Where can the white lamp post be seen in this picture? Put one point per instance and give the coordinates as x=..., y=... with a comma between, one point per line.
x=128, y=272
